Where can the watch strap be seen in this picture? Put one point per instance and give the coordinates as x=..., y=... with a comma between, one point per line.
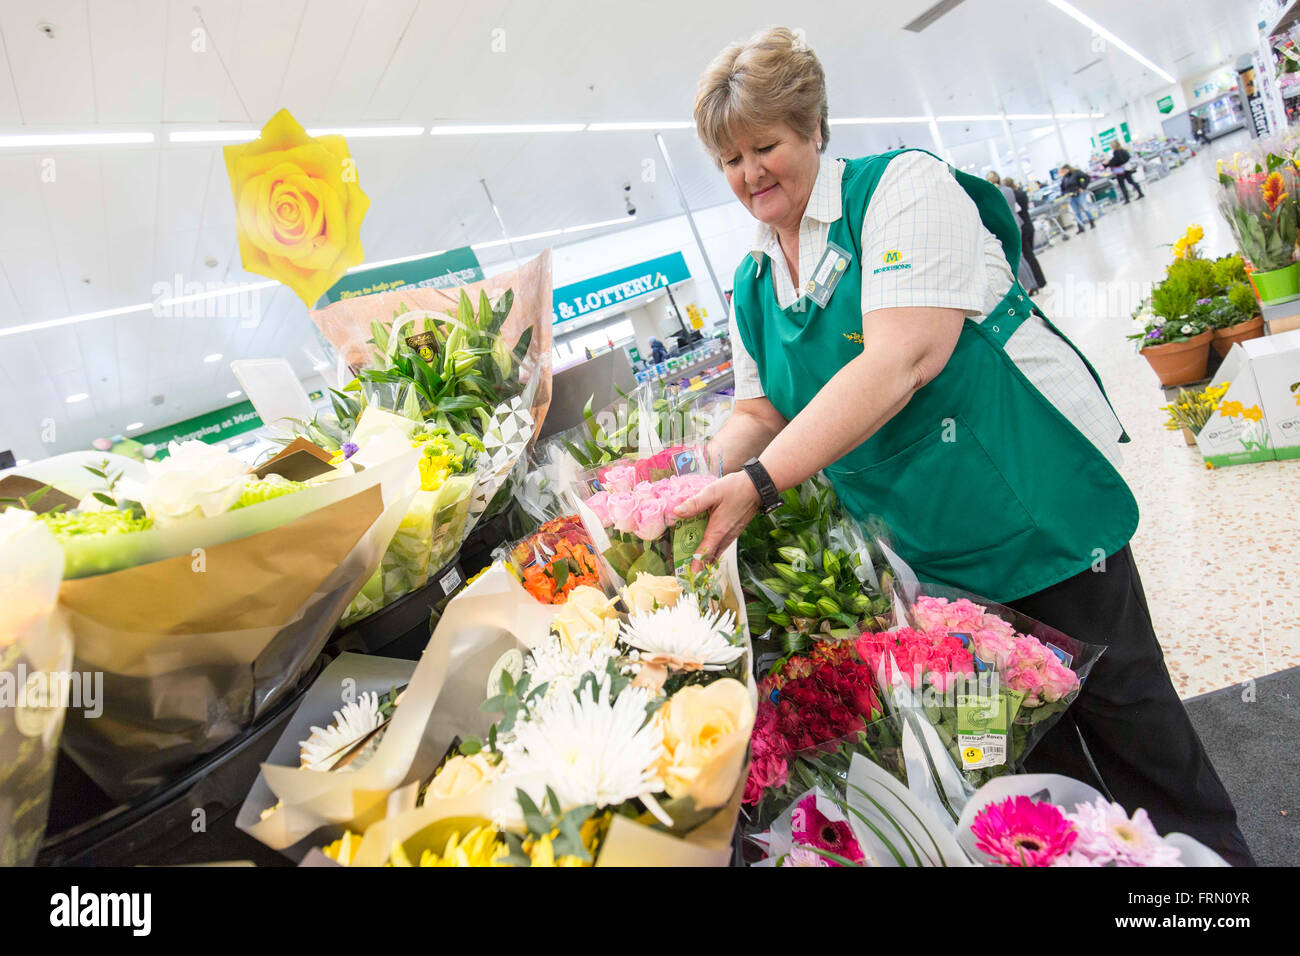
x=768, y=497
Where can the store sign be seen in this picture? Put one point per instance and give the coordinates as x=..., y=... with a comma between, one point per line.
x=447, y=269
x=211, y=427
x=1108, y=136
x=582, y=298
x=1165, y=104
x=1254, y=103
x=1214, y=85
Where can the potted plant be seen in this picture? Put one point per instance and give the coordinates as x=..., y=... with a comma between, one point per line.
x=1258, y=198
x=1236, y=319
x=1177, y=349
x=1191, y=410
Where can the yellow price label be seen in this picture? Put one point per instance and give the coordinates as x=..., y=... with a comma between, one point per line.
x=972, y=755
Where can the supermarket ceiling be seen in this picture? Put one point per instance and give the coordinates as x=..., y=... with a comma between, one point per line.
x=116, y=220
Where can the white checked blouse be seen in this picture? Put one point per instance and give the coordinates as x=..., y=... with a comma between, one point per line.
x=919, y=209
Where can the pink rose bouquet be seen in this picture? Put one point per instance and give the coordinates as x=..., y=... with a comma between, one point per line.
x=635, y=501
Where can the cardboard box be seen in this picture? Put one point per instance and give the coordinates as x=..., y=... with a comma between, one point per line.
x=1236, y=433
x=1275, y=362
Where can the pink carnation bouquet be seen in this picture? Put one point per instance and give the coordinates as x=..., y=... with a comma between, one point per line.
x=990, y=681
x=635, y=501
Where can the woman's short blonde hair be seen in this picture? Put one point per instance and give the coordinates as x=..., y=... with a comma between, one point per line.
x=772, y=77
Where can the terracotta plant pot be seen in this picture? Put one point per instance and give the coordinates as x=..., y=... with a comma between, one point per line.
x=1180, y=363
x=1223, y=338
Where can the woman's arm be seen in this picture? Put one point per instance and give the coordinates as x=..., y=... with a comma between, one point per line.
x=754, y=422
x=903, y=349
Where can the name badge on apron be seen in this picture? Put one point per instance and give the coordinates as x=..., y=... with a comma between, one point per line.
x=830, y=269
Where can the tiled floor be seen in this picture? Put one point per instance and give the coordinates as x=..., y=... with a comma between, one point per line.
x=1219, y=549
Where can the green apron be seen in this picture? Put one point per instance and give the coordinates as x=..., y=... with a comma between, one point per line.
x=985, y=485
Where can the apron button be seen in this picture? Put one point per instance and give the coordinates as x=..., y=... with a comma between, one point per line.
x=995, y=328
x=1011, y=311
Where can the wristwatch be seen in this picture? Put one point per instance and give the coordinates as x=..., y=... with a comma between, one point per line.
x=768, y=498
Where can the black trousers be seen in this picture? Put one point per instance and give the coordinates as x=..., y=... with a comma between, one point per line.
x=1121, y=178
x=1137, y=732
x=1027, y=251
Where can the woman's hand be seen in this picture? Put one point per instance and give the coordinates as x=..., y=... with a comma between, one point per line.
x=732, y=502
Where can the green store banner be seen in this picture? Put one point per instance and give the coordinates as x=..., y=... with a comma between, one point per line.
x=1165, y=104
x=454, y=267
x=210, y=427
x=582, y=298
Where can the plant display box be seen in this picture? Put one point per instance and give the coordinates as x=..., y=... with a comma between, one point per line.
x=1259, y=417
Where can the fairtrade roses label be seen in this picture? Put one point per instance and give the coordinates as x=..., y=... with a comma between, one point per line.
x=982, y=724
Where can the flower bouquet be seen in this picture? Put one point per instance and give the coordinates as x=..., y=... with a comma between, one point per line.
x=555, y=559
x=571, y=734
x=988, y=680
x=35, y=655
x=629, y=510
x=1050, y=820
x=203, y=593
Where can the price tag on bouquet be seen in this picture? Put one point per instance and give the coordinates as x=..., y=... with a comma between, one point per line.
x=983, y=722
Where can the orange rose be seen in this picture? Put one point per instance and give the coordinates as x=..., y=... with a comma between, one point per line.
x=298, y=206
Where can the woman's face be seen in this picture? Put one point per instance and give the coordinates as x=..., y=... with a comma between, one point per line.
x=772, y=172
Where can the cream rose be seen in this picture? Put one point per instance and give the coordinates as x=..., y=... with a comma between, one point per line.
x=706, y=733
x=462, y=775
x=651, y=590
x=586, y=614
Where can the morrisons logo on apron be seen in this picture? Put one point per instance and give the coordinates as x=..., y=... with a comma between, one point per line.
x=891, y=263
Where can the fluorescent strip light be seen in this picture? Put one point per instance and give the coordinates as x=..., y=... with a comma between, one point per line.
x=619, y=127
x=40, y=140
x=214, y=357
x=600, y=225
x=73, y=319
x=235, y=394
x=1105, y=34
x=212, y=136
x=971, y=118
x=394, y=262
x=516, y=128
x=362, y=132
x=214, y=294
x=864, y=120
x=135, y=426
x=78, y=397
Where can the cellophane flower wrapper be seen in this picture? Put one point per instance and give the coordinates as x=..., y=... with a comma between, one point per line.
x=35, y=656
x=868, y=817
x=556, y=558
x=628, y=505
x=440, y=703
x=1068, y=796
x=989, y=680
x=492, y=616
x=194, y=647
x=809, y=574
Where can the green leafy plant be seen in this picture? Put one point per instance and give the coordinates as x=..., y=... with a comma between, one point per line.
x=1228, y=271
x=1242, y=297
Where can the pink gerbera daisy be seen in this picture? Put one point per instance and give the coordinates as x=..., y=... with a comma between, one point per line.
x=814, y=829
x=1020, y=832
x=1108, y=836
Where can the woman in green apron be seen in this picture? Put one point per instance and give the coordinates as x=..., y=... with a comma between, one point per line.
x=879, y=335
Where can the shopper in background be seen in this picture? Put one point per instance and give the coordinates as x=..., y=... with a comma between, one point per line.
x=658, y=353
x=1118, y=164
x=1074, y=183
x=1026, y=232
x=1198, y=129
x=1024, y=274
x=876, y=312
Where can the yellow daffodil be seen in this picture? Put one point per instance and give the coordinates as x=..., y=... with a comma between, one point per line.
x=344, y=849
x=1231, y=409
x=1254, y=413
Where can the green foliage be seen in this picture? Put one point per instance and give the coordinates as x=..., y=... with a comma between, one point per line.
x=1197, y=276
x=1242, y=297
x=1173, y=298
x=1228, y=271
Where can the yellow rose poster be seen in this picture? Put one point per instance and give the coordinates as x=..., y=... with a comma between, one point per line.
x=298, y=206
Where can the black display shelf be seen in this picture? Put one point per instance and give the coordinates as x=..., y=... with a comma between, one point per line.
x=190, y=819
